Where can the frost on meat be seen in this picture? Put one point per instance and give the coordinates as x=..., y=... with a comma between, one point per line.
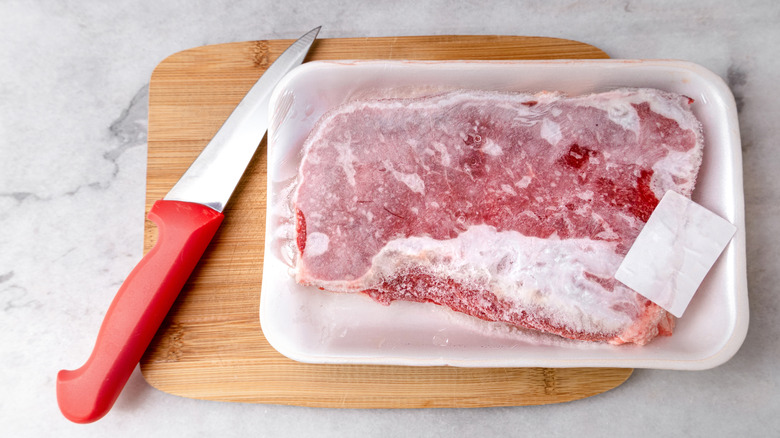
x=509, y=207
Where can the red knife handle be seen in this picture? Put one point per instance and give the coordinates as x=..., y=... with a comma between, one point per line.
x=144, y=299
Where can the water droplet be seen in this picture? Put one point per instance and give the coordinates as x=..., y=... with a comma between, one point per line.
x=440, y=339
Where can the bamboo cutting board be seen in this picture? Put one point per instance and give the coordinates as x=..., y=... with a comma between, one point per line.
x=211, y=345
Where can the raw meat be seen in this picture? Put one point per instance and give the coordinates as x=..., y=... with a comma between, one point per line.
x=509, y=207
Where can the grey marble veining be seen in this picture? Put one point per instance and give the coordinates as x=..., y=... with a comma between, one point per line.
x=73, y=104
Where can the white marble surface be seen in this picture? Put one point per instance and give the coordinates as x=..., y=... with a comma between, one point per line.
x=73, y=94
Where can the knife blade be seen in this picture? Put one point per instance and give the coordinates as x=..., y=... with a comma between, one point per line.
x=187, y=219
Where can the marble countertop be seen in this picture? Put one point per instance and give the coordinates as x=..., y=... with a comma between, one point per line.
x=73, y=104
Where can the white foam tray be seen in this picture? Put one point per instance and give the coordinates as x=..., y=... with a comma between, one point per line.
x=310, y=325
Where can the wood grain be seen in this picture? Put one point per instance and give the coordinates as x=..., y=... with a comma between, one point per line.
x=211, y=345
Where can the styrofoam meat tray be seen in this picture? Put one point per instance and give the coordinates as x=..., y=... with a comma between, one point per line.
x=310, y=325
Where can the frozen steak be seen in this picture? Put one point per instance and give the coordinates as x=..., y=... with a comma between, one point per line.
x=509, y=207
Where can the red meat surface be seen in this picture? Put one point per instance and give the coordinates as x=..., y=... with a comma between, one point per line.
x=515, y=208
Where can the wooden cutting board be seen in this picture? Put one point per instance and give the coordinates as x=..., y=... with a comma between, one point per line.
x=211, y=345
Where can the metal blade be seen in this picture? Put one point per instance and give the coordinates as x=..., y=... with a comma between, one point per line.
x=214, y=175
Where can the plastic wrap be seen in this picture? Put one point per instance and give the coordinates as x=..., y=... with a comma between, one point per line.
x=311, y=326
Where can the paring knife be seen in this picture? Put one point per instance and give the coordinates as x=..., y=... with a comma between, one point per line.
x=187, y=219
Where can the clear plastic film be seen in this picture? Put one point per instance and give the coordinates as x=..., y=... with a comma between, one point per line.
x=308, y=325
